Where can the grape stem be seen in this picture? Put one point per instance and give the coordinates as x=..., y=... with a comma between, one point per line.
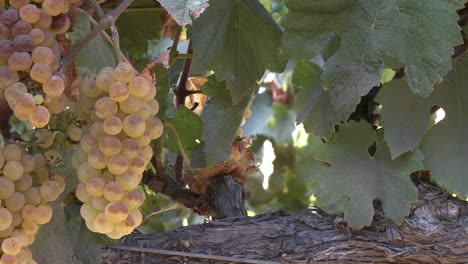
x=105, y=22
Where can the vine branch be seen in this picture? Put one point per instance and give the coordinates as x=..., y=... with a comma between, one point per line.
x=105, y=22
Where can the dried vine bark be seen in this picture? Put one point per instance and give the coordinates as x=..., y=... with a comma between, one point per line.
x=436, y=231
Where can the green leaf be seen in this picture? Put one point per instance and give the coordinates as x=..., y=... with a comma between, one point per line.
x=274, y=120
x=368, y=29
x=97, y=53
x=136, y=28
x=239, y=40
x=221, y=120
x=357, y=178
x=183, y=10
x=313, y=105
x=189, y=129
x=405, y=116
x=445, y=146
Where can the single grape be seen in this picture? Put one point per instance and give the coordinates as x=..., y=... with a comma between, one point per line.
x=95, y=187
x=144, y=139
x=140, y=87
x=87, y=143
x=18, y=3
x=102, y=224
x=128, y=181
x=112, y=125
x=43, y=55
x=125, y=227
x=40, y=72
x=20, y=28
x=131, y=106
x=53, y=7
x=11, y=246
x=23, y=43
x=25, y=104
x=44, y=138
x=5, y=218
x=105, y=78
x=146, y=153
x=154, y=105
x=9, y=17
x=37, y=36
x=74, y=132
x=24, y=183
x=113, y=192
x=7, y=77
x=50, y=190
x=38, y=99
x=137, y=165
x=116, y=212
x=13, y=170
x=133, y=199
x=106, y=107
x=134, y=125
x=9, y=259
x=16, y=202
x=82, y=194
x=30, y=227
x=20, y=61
x=4, y=32
x=97, y=130
x=29, y=13
x=88, y=212
x=33, y=196
x=96, y=159
x=137, y=217
x=60, y=24
x=155, y=127
x=12, y=152
x=86, y=172
x=43, y=214
x=27, y=213
x=99, y=203
x=118, y=164
x=118, y=91
x=39, y=117
x=110, y=146
x=130, y=148
x=124, y=72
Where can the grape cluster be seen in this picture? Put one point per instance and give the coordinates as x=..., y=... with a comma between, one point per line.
x=25, y=190
x=115, y=151
x=30, y=57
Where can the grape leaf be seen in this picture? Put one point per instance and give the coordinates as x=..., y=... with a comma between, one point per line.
x=182, y=11
x=445, y=146
x=357, y=178
x=369, y=29
x=405, y=116
x=136, y=29
x=274, y=120
x=97, y=53
x=220, y=120
x=313, y=104
x=239, y=40
x=189, y=129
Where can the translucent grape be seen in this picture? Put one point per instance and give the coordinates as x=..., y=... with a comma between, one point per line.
x=30, y=227
x=74, y=132
x=16, y=202
x=118, y=164
x=20, y=61
x=13, y=170
x=9, y=17
x=29, y=13
x=50, y=190
x=24, y=183
x=140, y=87
x=37, y=36
x=23, y=43
x=56, y=105
x=102, y=224
x=112, y=125
x=18, y=4
x=116, y=212
x=40, y=72
x=133, y=199
x=130, y=148
x=53, y=7
x=106, y=108
x=20, y=28
x=110, y=146
x=11, y=246
x=131, y=106
x=88, y=86
x=88, y=212
x=87, y=143
x=113, y=192
x=99, y=203
x=124, y=72
x=43, y=214
x=12, y=152
x=82, y=194
x=105, y=78
x=118, y=91
x=43, y=55
x=134, y=125
x=155, y=127
x=33, y=196
x=96, y=159
x=39, y=117
x=44, y=138
x=5, y=219
x=86, y=172
x=128, y=181
x=137, y=165
x=95, y=186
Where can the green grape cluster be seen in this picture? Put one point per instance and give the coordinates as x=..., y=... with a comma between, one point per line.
x=30, y=58
x=115, y=150
x=26, y=188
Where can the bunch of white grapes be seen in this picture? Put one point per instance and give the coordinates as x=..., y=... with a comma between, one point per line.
x=115, y=151
x=30, y=58
x=25, y=190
